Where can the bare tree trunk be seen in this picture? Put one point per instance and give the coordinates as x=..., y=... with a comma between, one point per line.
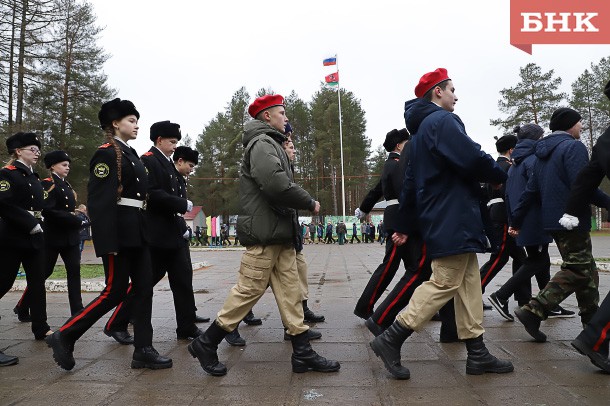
x=11, y=66
x=21, y=64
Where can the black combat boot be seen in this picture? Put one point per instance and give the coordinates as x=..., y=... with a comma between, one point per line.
x=148, y=357
x=310, y=316
x=531, y=322
x=62, y=350
x=387, y=347
x=251, y=320
x=311, y=334
x=598, y=356
x=235, y=339
x=204, y=349
x=304, y=358
x=480, y=360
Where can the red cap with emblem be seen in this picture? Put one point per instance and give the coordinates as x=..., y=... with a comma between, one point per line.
x=430, y=80
x=265, y=102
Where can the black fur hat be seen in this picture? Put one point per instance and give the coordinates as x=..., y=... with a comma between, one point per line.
x=21, y=140
x=505, y=142
x=53, y=157
x=187, y=154
x=165, y=129
x=394, y=138
x=115, y=110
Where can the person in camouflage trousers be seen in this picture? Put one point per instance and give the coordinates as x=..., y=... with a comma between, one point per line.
x=559, y=158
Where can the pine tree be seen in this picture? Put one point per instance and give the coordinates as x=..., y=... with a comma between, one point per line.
x=532, y=100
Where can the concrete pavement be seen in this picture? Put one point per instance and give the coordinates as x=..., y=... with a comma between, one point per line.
x=551, y=373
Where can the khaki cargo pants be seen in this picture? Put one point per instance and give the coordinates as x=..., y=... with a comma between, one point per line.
x=263, y=266
x=456, y=277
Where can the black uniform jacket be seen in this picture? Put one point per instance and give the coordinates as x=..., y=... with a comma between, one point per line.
x=388, y=187
x=112, y=226
x=497, y=211
x=163, y=224
x=61, y=226
x=20, y=194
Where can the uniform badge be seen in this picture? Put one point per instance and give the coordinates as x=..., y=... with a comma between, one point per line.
x=45, y=195
x=4, y=185
x=101, y=170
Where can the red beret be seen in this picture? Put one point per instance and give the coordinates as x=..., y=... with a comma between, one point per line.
x=265, y=102
x=429, y=80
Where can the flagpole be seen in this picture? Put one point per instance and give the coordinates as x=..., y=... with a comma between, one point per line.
x=341, y=140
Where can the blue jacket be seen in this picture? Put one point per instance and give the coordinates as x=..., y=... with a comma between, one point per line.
x=532, y=231
x=559, y=158
x=442, y=181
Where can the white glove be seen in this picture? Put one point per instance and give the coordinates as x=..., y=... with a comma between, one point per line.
x=568, y=222
x=36, y=229
x=189, y=205
x=359, y=213
x=186, y=235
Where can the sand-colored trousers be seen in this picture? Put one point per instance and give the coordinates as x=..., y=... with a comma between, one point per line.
x=263, y=266
x=457, y=277
x=302, y=269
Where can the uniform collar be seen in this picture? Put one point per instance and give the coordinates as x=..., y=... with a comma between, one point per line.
x=24, y=165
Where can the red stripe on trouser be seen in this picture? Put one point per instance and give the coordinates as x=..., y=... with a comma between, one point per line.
x=22, y=296
x=402, y=292
x=502, y=248
x=118, y=308
x=100, y=298
x=602, y=337
x=385, y=271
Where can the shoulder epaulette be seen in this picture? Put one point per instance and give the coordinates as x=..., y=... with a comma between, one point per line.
x=48, y=179
x=11, y=167
x=106, y=145
x=147, y=153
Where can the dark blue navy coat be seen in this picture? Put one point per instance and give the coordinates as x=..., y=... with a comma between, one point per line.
x=532, y=232
x=559, y=158
x=443, y=180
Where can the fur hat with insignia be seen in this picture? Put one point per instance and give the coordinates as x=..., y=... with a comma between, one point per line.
x=187, y=154
x=394, y=138
x=165, y=129
x=21, y=140
x=115, y=110
x=54, y=157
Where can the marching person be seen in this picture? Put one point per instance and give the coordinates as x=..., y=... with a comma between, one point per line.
x=593, y=341
x=441, y=192
x=503, y=246
x=166, y=234
x=266, y=226
x=117, y=193
x=185, y=160
x=21, y=233
x=388, y=187
x=61, y=229
x=532, y=236
x=560, y=156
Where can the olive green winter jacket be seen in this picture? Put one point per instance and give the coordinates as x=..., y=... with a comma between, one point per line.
x=268, y=196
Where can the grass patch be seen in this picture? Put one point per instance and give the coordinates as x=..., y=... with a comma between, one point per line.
x=87, y=271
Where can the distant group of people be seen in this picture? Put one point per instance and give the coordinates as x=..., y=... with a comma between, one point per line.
x=325, y=235
x=199, y=237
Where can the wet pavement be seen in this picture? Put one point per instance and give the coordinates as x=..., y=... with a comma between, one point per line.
x=551, y=373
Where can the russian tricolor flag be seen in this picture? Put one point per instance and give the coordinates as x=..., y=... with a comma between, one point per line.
x=330, y=61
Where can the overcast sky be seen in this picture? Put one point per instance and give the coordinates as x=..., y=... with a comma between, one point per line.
x=183, y=60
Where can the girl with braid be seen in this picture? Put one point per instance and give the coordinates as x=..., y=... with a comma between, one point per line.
x=116, y=199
